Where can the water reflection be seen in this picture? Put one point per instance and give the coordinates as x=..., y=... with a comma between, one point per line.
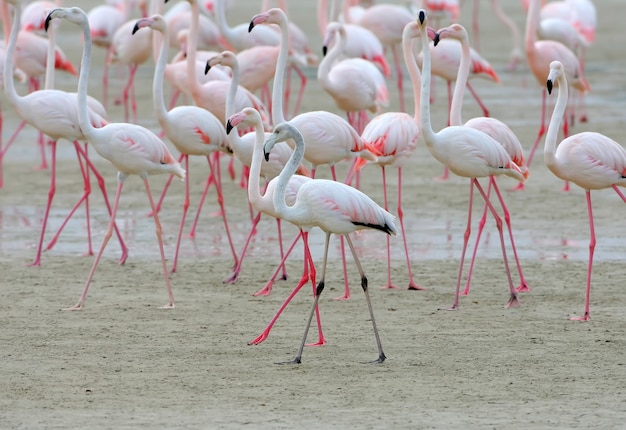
x=433, y=239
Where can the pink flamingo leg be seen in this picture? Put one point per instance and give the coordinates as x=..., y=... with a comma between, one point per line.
x=466, y=235
x=215, y=171
x=592, y=246
x=303, y=82
x=184, y=215
x=235, y=275
x=523, y=286
x=478, y=100
x=267, y=289
x=346, y=284
x=385, y=200
x=128, y=94
x=513, y=300
x=165, y=188
x=51, y=192
x=412, y=284
x=102, y=186
x=481, y=226
x=210, y=180
x=83, y=198
x=308, y=274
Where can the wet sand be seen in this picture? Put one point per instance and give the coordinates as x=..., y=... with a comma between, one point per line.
x=123, y=362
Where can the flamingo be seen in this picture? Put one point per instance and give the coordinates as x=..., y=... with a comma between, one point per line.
x=131, y=148
x=468, y=153
x=104, y=20
x=394, y=135
x=334, y=207
x=265, y=204
x=356, y=85
x=192, y=130
x=360, y=42
x=329, y=137
x=539, y=54
x=590, y=160
x=132, y=51
x=54, y=113
x=243, y=150
x=386, y=21
x=491, y=126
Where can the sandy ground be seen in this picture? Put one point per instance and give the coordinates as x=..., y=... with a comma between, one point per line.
x=123, y=362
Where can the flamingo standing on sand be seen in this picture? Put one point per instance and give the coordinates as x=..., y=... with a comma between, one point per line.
x=356, y=85
x=491, y=126
x=54, y=113
x=539, y=54
x=330, y=138
x=394, y=136
x=468, y=153
x=591, y=160
x=192, y=130
x=131, y=148
x=334, y=207
x=243, y=150
x=265, y=203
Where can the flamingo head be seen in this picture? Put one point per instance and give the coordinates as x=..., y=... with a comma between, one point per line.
x=224, y=58
x=74, y=15
x=271, y=16
x=155, y=22
x=454, y=31
x=281, y=133
x=556, y=72
x=248, y=116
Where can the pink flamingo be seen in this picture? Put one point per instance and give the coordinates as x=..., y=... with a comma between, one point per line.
x=104, y=21
x=192, y=130
x=468, y=153
x=132, y=51
x=591, y=160
x=495, y=128
x=54, y=113
x=394, y=136
x=265, y=204
x=329, y=137
x=131, y=148
x=356, y=85
x=34, y=14
x=334, y=207
x=386, y=21
x=243, y=150
x=360, y=41
x=539, y=54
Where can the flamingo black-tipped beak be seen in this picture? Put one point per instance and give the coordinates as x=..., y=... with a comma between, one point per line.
x=251, y=26
x=324, y=50
x=421, y=16
x=436, y=39
x=229, y=126
x=47, y=23
x=549, y=86
x=267, y=156
x=207, y=67
x=136, y=28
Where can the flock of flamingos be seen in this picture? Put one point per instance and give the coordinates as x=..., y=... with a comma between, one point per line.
x=235, y=113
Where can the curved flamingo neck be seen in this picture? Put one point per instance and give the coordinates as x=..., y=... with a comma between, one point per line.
x=279, y=76
x=9, y=85
x=83, y=80
x=279, y=198
x=158, y=102
x=495, y=5
x=532, y=20
x=461, y=82
x=254, y=193
x=331, y=57
x=49, y=77
x=549, y=152
x=414, y=73
x=425, y=125
x=226, y=31
x=192, y=48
